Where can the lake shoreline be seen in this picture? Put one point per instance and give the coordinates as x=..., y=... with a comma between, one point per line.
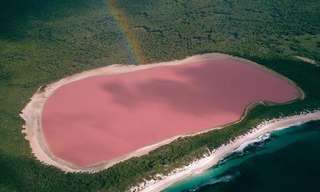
x=32, y=113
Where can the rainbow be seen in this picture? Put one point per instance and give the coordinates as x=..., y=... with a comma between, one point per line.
x=132, y=41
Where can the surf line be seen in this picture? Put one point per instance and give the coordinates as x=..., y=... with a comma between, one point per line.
x=122, y=21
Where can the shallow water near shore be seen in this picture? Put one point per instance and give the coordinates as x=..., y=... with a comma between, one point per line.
x=286, y=160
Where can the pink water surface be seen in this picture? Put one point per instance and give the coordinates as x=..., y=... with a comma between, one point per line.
x=104, y=117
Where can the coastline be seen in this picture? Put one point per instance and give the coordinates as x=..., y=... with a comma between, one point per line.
x=209, y=160
x=31, y=114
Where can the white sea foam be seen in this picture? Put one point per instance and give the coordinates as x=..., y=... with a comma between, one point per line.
x=259, y=139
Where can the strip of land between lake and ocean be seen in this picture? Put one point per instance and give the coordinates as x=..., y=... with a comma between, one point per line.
x=212, y=158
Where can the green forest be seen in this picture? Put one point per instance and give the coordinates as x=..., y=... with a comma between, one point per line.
x=43, y=41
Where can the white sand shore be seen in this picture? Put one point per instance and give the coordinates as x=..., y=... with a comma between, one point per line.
x=212, y=159
x=33, y=111
x=307, y=60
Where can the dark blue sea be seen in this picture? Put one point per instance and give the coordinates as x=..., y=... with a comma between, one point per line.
x=286, y=161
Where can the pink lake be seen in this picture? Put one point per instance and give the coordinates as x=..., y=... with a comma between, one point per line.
x=101, y=118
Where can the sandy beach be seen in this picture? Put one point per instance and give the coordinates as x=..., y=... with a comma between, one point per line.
x=220, y=153
x=307, y=60
x=33, y=111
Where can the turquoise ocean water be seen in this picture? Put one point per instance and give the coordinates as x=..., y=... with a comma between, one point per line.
x=287, y=160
